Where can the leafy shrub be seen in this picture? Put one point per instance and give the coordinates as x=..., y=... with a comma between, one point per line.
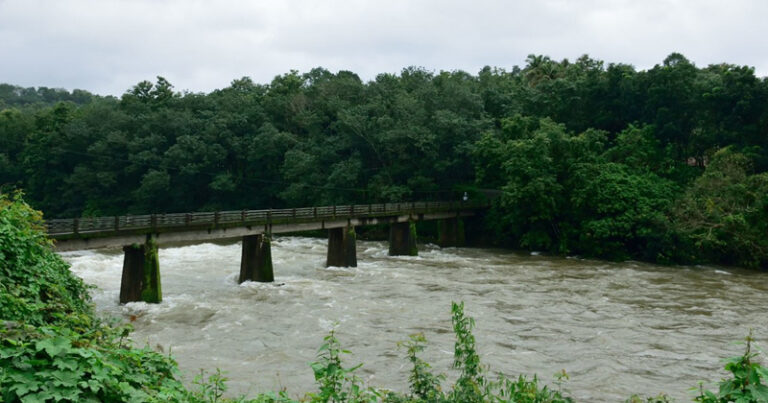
x=724, y=214
x=52, y=347
x=57, y=364
x=36, y=286
x=620, y=211
x=473, y=383
x=423, y=384
x=749, y=383
x=662, y=398
x=337, y=383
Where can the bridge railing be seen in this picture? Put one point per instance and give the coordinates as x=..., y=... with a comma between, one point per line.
x=91, y=225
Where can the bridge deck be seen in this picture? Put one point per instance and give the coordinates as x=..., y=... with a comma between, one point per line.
x=97, y=232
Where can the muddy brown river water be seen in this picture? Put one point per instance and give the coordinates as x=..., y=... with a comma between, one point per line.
x=616, y=328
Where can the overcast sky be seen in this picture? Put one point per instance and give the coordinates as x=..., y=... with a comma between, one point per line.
x=107, y=46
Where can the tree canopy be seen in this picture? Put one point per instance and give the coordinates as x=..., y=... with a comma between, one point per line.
x=666, y=164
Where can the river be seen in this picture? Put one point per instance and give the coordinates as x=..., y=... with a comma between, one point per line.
x=616, y=328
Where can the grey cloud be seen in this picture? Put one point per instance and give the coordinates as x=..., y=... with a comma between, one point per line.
x=108, y=46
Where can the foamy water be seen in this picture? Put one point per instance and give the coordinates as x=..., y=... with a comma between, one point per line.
x=616, y=328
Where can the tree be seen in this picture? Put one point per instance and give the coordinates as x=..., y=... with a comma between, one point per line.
x=724, y=215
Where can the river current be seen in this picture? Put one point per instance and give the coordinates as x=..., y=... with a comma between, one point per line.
x=616, y=328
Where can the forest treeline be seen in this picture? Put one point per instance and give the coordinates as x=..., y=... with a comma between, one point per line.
x=667, y=164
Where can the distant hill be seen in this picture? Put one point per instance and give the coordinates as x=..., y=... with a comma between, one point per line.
x=15, y=96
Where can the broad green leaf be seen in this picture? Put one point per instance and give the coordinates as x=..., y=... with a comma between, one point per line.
x=53, y=346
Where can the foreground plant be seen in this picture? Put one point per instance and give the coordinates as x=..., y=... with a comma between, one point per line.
x=423, y=384
x=749, y=382
x=337, y=383
x=52, y=346
x=661, y=398
x=473, y=383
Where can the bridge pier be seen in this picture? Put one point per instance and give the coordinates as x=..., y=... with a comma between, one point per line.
x=256, y=259
x=402, y=239
x=342, y=248
x=450, y=232
x=141, y=273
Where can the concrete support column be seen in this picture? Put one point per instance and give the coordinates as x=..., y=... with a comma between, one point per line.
x=342, y=247
x=256, y=259
x=141, y=273
x=450, y=232
x=402, y=239
x=133, y=273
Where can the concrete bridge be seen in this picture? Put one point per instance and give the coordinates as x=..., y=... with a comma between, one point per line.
x=140, y=235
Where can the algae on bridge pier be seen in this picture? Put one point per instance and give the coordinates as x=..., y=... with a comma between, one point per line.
x=151, y=289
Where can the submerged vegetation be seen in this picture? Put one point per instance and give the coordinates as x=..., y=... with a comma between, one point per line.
x=53, y=348
x=666, y=165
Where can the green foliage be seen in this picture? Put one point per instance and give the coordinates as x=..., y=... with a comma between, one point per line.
x=471, y=383
x=56, y=364
x=724, y=214
x=211, y=389
x=526, y=390
x=36, y=287
x=530, y=154
x=320, y=138
x=52, y=348
x=661, y=398
x=15, y=96
x=423, y=384
x=412, y=238
x=151, y=285
x=640, y=149
x=564, y=193
x=620, y=212
x=749, y=382
x=337, y=383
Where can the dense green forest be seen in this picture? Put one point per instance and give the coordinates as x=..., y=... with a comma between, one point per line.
x=667, y=164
